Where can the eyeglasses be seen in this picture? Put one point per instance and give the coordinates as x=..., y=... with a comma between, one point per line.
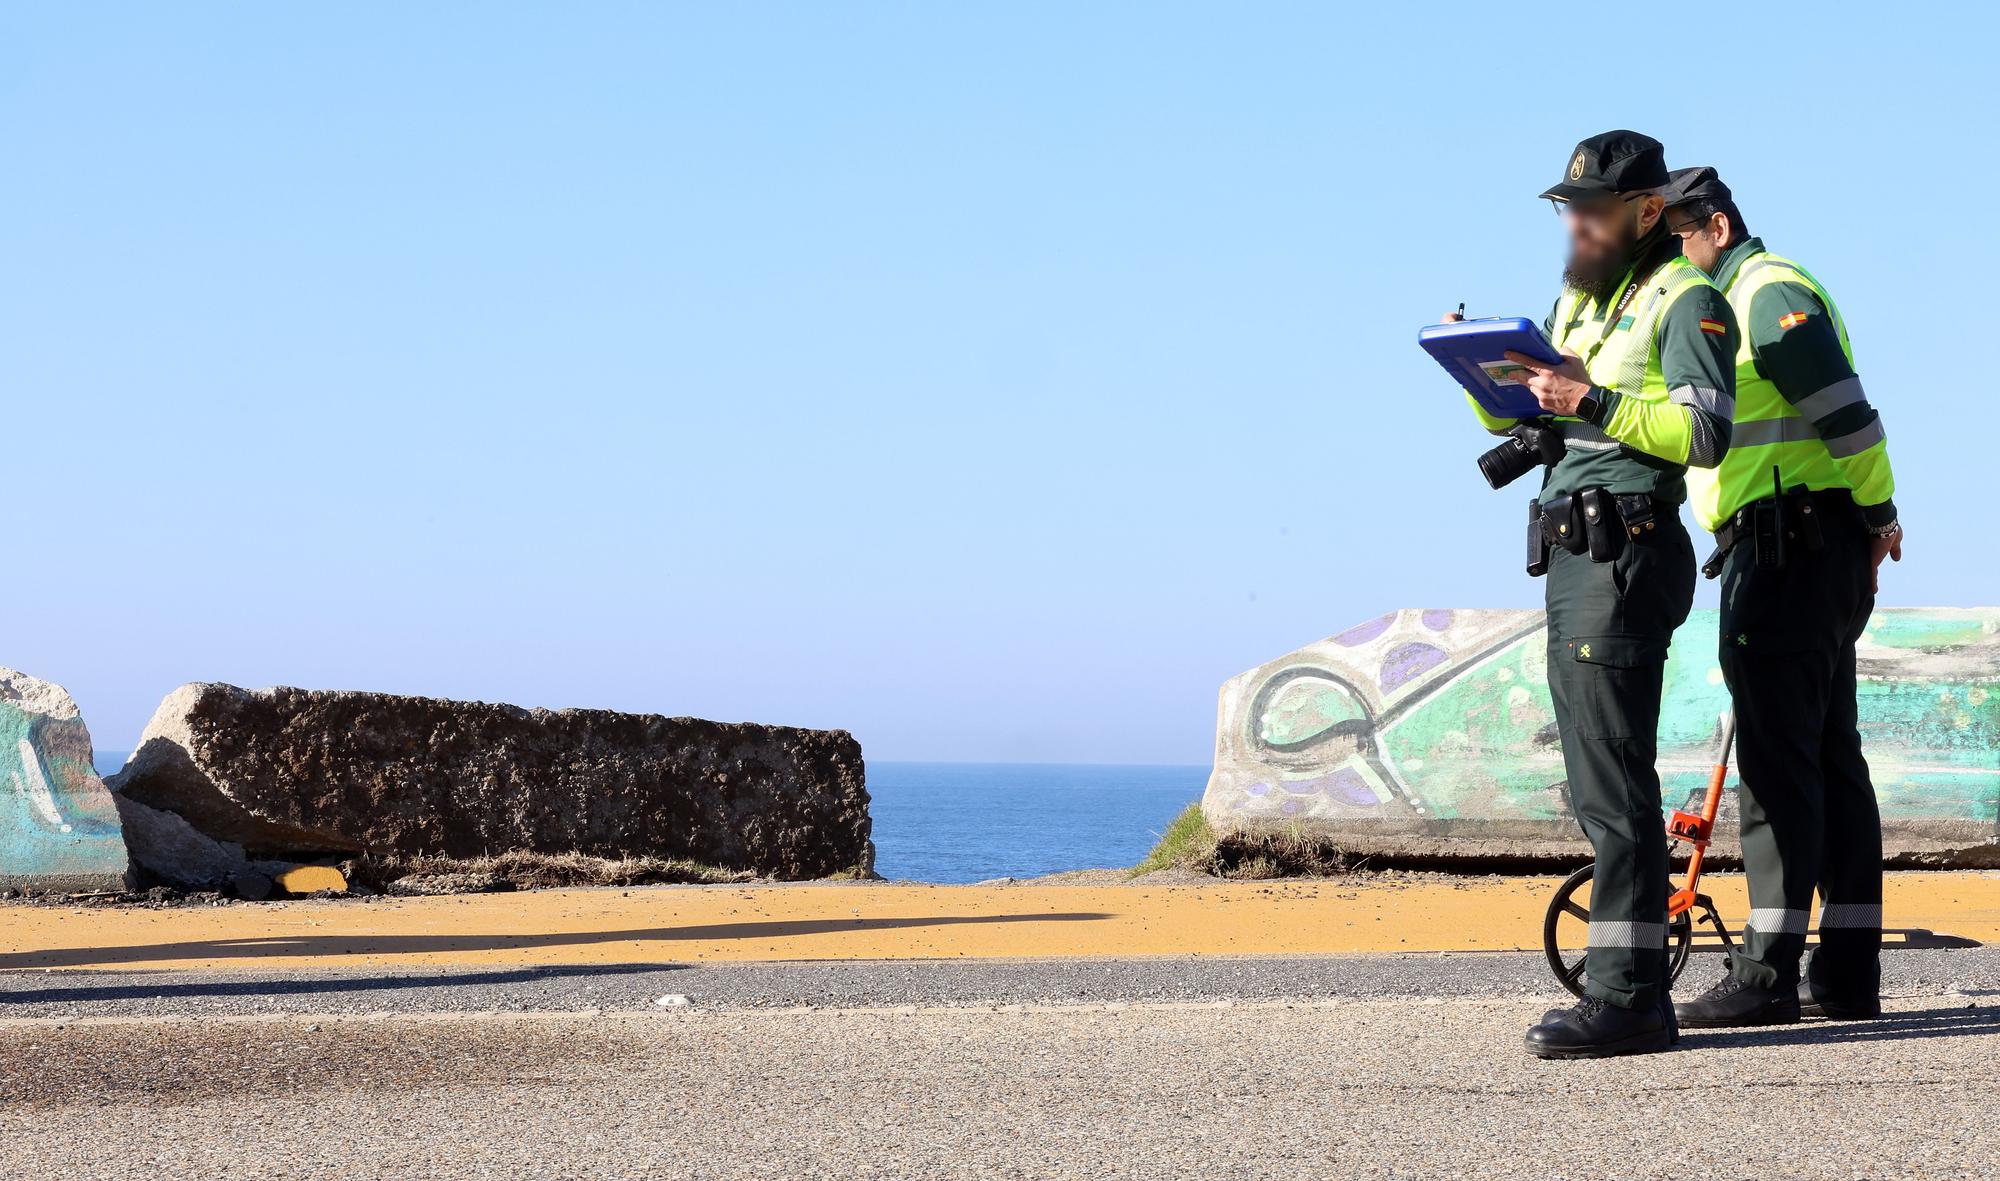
x=1594, y=210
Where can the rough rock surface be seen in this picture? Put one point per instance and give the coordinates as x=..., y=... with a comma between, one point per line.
x=58, y=825
x=171, y=849
x=294, y=771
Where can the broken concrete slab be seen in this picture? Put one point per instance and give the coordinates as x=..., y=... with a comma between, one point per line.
x=1428, y=736
x=170, y=849
x=291, y=773
x=59, y=828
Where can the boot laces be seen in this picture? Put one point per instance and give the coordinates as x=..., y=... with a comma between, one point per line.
x=1588, y=1007
x=1724, y=988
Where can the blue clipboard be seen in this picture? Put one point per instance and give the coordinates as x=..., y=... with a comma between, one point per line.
x=1474, y=353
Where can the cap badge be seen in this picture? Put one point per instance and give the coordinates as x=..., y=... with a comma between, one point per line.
x=1576, y=166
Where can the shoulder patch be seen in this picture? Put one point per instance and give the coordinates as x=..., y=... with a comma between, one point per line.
x=1717, y=327
x=1791, y=320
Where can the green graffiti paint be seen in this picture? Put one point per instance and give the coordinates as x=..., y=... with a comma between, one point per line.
x=1439, y=722
x=59, y=826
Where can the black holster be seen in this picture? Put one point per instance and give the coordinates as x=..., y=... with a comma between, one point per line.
x=1538, y=541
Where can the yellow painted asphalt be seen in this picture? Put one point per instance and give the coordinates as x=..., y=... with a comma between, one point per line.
x=866, y=922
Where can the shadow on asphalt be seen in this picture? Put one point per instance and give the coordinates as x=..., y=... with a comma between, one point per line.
x=21, y=989
x=1957, y=1021
x=365, y=945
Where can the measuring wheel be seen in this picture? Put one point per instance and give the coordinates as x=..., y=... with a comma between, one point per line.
x=1568, y=922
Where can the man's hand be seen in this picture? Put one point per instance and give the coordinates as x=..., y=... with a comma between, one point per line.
x=1888, y=546
x=1557, y=387
x=1451, y=318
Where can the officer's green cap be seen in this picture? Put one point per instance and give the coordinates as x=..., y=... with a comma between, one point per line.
x=1611, y=163
x=1695, y=184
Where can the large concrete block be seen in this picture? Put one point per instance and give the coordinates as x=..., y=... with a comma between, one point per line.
x=58, y=825
x=286, y=772
x=173, y=851
x=1429, y=733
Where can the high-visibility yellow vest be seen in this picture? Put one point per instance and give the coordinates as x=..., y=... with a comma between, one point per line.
x=1768, y=430
x=1621, y=353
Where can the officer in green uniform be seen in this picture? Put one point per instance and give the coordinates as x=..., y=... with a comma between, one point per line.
x=1803, y=518
x=1645, y=391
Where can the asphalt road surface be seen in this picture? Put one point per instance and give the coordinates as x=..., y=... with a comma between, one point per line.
x=867, y=984
x=1307, y=1068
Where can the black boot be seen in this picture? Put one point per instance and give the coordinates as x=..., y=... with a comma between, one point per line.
x=1834, y=1008
x=1733, y=1003
x=1666, y=1014
x=1594, y=1029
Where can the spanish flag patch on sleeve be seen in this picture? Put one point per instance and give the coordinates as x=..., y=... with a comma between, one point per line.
x=1790, y=320
x=1715, y=326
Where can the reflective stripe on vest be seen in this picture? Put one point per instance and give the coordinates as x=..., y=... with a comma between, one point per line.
x=1769, y=431
x=1625, y=359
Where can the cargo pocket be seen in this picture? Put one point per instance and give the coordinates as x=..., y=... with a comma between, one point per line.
x=1615, y=685
x=1762, y=611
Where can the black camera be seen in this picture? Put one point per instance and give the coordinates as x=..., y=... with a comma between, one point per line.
x=1526, y=447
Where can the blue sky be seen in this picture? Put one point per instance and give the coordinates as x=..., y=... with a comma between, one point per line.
x=992, y=381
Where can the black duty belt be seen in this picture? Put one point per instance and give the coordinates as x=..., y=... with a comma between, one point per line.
x=1775, y=521
x=1594, y=521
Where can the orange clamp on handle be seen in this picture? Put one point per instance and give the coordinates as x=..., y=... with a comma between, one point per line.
x=1686, y=826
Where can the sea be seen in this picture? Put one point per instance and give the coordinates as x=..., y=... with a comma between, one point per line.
x=967, y=822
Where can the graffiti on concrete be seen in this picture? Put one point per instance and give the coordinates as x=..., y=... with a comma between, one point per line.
x=1440, y=721
x=58, y=825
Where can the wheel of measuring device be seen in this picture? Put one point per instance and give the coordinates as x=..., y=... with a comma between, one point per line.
x=1567, y=926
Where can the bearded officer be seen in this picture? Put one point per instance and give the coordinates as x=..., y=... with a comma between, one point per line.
x=1644, y=392
x=1803, y=514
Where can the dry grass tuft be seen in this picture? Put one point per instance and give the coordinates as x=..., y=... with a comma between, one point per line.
x=531, y=871
x=1189, y=843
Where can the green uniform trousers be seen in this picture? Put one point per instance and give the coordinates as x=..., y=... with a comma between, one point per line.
x=1808, y=810
x=1609, y=627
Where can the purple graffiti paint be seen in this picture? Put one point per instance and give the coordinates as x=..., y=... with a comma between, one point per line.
x=1257, y=789
x=1348, y=787
x=1407, y=660
x=1363, y=632
x=1345, y=785
x=1437, y=620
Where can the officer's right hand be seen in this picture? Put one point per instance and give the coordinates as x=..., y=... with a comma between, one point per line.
x=1890, y=547
x=1451, y=318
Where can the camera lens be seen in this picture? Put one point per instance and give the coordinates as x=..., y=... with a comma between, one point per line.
x=1508, y=462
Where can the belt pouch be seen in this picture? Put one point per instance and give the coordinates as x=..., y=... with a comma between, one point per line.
x=1603, y=535
x=1802, y=517
x=1565, y=530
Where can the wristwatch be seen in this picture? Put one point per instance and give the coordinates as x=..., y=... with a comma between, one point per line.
x=1589, y=409
x=1889, y=530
